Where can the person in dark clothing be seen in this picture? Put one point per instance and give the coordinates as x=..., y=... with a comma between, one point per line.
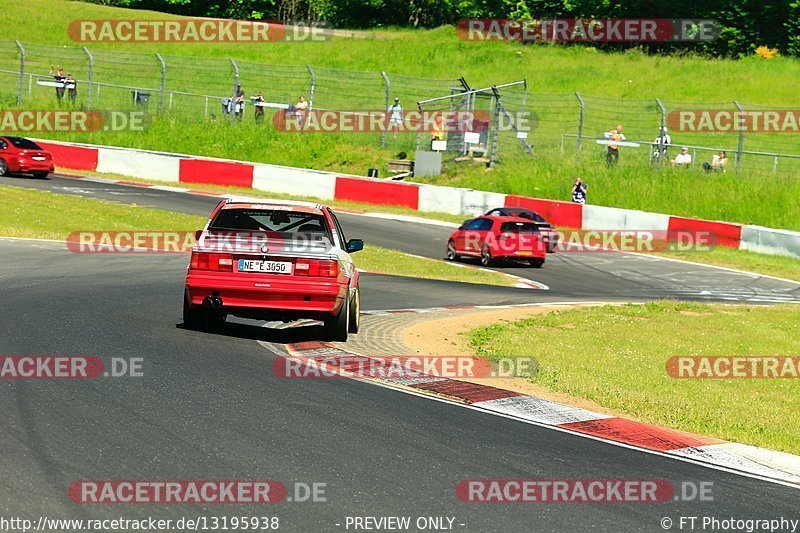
x=579, y=191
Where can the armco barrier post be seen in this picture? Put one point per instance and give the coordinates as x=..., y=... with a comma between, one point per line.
x=91, y=71
x=580, y=127
x=164, y=84
x=740, y=149
x=21, y=71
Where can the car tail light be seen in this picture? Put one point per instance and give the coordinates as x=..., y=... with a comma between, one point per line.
x=206, y=261
x=324, y=268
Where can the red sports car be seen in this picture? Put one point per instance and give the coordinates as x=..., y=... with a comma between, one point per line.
x=495, y=238
x=23, y=156
x=273, y=261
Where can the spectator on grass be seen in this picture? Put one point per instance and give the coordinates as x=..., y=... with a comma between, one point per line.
x=579, y=191
x=301, y=108
x=614, y=136
x=238, y=105
x=718, y=162
x=259, y=110
x=683, y=159
x=396, y=115
x=437, y=130
x=662, y=143
x=58, y=76
x=72, y=92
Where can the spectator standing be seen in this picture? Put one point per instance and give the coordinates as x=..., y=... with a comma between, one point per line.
x=614, y=137
x=662, y=143
x=579, y=191
x=72, y=92
x=259, y=110
x=395, y=115
x=437, y=130
x=238, y=105
x=58, y=76
x=683, y=159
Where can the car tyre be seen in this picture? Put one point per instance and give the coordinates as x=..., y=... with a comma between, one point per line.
x=337, y=327
x=355, y=312
x=451, y=254
x=486, y=257
x=3, y=167
x=193, y=318
x=537, y=263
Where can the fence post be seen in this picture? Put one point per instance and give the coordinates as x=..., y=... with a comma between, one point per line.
x=163, y=83
x=235, y=91
x=661, y=136
x=311, y=88
x=495, y=125
x=385, y=104
x=740, y=149
x=524, y=94
x=21, y=71
x=91, y=70
x=580, y=127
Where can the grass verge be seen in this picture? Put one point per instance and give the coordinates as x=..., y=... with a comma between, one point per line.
x=616, y=355
x=44, y=215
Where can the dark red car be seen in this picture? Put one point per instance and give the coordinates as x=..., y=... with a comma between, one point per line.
x=276, y=261
x=496, y=238
x=23, y=156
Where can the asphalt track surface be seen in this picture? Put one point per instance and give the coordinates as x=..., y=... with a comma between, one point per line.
x=209, y=406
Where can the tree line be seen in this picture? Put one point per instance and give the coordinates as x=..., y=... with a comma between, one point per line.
x=744, y=24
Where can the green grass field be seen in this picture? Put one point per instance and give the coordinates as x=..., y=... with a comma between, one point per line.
x=615, y=356
x=624, y=87
x=30, y=213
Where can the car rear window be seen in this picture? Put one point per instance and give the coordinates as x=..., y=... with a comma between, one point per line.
x=536, y=217
x=23, y=144
x=287, y=223
x=518, y=227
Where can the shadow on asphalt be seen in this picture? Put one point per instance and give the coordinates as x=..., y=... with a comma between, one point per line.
x=260, y=333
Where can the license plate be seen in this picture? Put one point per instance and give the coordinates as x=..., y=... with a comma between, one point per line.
x=524, y=252
x=267, y=267
x=38, y=158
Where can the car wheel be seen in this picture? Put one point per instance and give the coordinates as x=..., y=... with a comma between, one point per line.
x=3, y=167
x=336, y=327
x=193, y=318
x=486, y=257
x=355, y=313
x=451, y=254
x=537, y=263
x=40, y=175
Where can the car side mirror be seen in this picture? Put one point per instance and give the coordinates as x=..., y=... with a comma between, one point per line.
x=354, y=245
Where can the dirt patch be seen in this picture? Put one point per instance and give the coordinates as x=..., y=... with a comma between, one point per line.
x=447, y=336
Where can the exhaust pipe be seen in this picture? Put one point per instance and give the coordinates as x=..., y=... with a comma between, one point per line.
x=212, y=302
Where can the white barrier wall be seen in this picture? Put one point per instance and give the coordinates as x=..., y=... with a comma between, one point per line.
x=295, y=181
x=139, y=164
x=770, y=241
x=597, y=217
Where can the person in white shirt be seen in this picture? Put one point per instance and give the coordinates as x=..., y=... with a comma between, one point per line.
x=396, y=115
x=683, y=159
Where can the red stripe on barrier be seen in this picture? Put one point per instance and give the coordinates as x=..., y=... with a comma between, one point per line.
x=723, y=233
x=377, y=192
x=468, y=392
x=565, y=214
x=640, y=434
x=75, y=157
x=216, y=172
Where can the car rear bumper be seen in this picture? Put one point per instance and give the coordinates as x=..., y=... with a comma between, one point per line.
x=29, y=165
x=280, y=296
